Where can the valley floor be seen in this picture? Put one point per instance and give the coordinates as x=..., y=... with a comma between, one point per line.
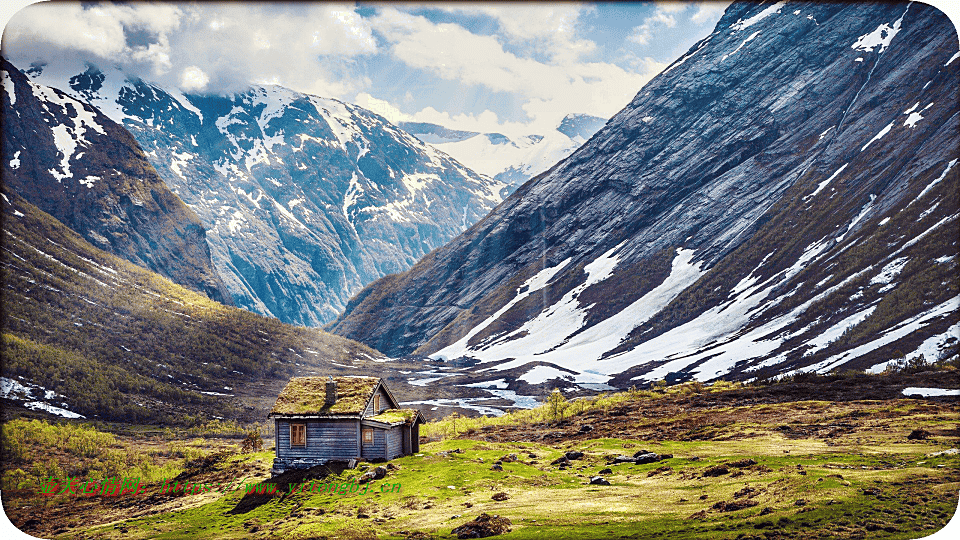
x=744, y=462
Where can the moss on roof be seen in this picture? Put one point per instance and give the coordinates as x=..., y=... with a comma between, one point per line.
x=392, y=416
x=306, y=395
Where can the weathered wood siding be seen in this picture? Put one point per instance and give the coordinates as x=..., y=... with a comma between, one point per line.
x=378, y=448
x=385, y=404
x=329, y=439
x=394, y=438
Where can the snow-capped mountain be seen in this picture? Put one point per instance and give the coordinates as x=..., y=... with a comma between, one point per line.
x=512, y=161
x=84, y=169
x=782, y=197
x=306, y=199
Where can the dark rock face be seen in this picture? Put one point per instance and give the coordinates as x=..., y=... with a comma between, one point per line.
x=74, y=163
x=305, y=199
x=782, y=197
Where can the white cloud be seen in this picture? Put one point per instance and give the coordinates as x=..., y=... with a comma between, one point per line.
x=101, y=30
x=193, y=79
x=308, y=47
x=549, y=29
x=709, y=12
x=661, y=18
x=548, y=90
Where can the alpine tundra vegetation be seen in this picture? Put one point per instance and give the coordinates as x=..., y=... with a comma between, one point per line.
x=728, y=311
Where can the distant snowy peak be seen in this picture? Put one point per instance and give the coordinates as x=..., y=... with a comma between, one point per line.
x=580, y=125
x=511, y=160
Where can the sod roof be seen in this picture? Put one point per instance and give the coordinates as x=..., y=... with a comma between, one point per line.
x=394, y=416
x=306, y=396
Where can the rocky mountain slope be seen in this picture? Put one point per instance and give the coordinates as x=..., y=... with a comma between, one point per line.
x=782, y=197
x=306, y=199
x=73, y=162
x=512, y=161
x=87, y=334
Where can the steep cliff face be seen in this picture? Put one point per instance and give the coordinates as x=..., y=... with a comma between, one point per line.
x=784, y=196
x=306, y=199
x=74, y=163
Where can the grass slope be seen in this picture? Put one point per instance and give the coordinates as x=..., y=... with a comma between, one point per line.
x=120, y=343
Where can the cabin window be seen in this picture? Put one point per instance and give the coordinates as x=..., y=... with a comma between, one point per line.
x=368, y=436
x=376, y=404
x=298, y=434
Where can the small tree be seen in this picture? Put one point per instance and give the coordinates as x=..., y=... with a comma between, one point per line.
x=253, y=442
x=557, y=405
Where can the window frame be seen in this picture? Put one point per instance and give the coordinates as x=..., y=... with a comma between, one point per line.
x=367, y=435
x=301, y=440
x=376, y=403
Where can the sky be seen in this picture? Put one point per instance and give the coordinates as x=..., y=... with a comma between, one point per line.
x=513, y=68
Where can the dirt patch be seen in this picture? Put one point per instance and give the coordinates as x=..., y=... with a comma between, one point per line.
x=484, y=526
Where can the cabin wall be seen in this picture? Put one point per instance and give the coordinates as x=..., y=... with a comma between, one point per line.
x=415, y=438
x=394, y=440
x=327, y=439
x=377, y=449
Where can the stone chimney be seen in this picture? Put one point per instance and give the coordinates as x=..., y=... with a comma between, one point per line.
x=331, y=392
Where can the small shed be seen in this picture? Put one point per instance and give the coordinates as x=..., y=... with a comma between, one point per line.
x=320, y=419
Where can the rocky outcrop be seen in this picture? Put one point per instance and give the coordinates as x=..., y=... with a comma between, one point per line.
x=74, y=163
x=782, y=197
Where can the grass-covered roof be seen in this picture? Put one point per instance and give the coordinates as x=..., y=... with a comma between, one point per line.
x=306, y=395
x=393, y=416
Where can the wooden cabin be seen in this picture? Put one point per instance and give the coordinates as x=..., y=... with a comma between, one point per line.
x=320, y=419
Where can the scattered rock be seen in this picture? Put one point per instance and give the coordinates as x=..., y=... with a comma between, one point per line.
x=698, y=515
x=599, y=481
x=375, y=474
x=573, y=455
x=586, y=428
x=509, y=458
x=562, y=460
x=624, y=459
x=800, y=502
x=484, y=526
x=362, y=516
x=766, y=510
x=606, y=471
x=531, y=455
x=645, y=457
x=747, y=462
x=919, y=435
x=500, y=496
x=746, y=492
x=496, y=467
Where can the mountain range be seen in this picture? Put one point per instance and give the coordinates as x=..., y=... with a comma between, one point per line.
x=781, y=198
x=71, y=161
x=304, y=199
x=511, y=160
